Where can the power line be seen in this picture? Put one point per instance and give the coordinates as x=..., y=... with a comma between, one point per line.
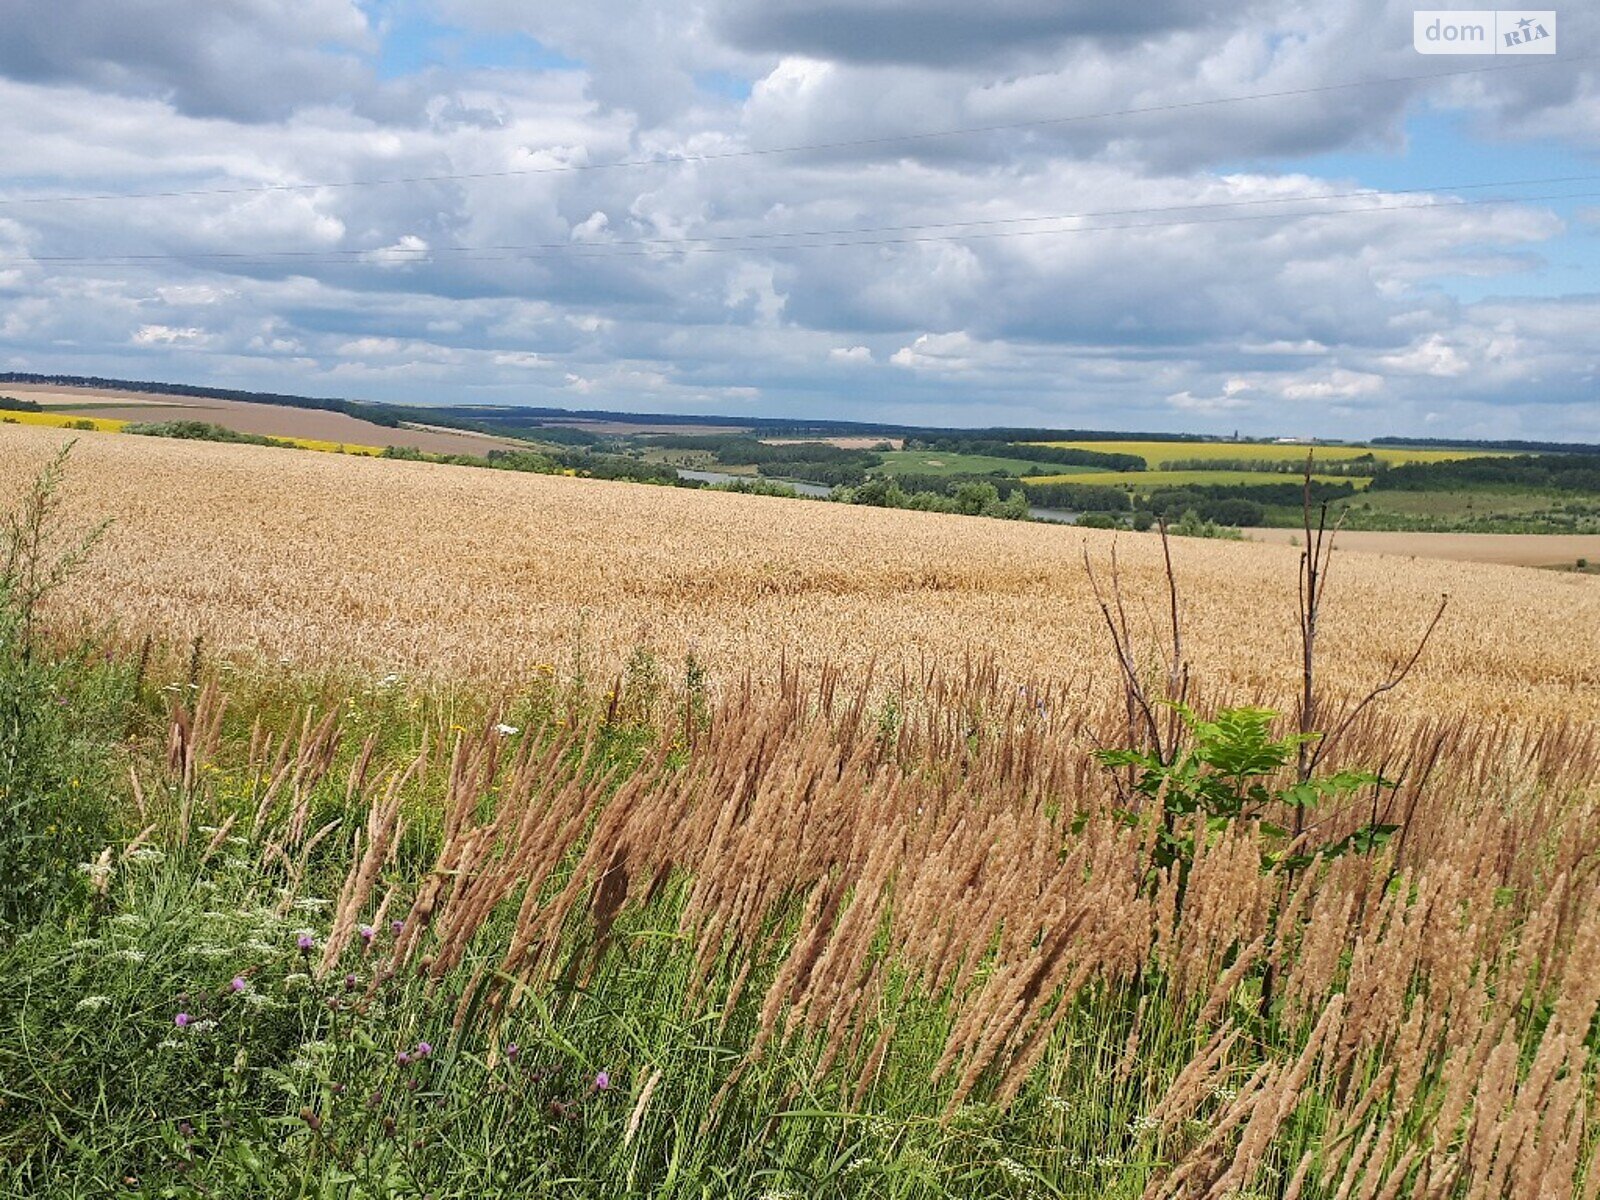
x=846, y=144
x=402, y=253
x=700, y=246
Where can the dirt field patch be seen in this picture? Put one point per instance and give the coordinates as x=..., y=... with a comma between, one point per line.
x=268, y=420
x=1514, y=549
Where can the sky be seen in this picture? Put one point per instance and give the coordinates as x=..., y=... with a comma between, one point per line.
x=1171, y=215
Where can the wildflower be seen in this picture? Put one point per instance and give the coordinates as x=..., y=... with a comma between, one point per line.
x=306, y=942
x=602, y=1081
x=403, y=1059
x=423, y=1050
x=92, y=1003
x=99, y=873
x=395, y=927
x=238, y=984
x=505, y=730
x=349, y=983
x=182, y=1020
x=512, y=1051
x=133, y=956
x=1017, y=1172
x=366, y=934
x=146, y=854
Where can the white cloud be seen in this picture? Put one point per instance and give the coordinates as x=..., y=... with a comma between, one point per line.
x=1433, y=355
x=1335, y=384
x=408, y=250
x=1168, y=324
x=167, y=335
x=937, y=352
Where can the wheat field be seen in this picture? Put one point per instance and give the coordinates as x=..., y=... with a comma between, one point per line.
x=865, y=914
x=453, y=572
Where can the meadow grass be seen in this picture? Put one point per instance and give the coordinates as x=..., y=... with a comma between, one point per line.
x=792, y=943
x=933, y=462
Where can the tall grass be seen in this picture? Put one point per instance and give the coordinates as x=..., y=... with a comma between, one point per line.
x=805, y=942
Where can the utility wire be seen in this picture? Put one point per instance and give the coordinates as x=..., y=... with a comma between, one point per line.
x=700, y=246
x=846, y=144
x=402, y=253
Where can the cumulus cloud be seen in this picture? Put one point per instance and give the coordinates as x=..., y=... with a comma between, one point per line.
x=1157, y=268
x=243, y=60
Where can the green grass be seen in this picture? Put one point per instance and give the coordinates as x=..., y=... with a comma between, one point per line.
x=285, y=1083
x=930, y=462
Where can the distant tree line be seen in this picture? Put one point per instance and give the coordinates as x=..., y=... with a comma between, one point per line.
x=12, y=404
x=1543, y=472
x=201, y=431
x=1013, y=448
x=971, y=497
x=557, y=462
x=1514, y=445
x=1363, y=466
x=1080, y=497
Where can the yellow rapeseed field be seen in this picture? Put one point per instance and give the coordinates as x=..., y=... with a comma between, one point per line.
x=51, y=420
x=457, y=572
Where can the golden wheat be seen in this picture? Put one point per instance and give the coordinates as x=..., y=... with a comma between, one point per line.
x=464, y=573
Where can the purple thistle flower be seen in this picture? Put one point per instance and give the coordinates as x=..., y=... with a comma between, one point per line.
x=423, y=1050
x=306, y=942
x=349, y=983
x=512, y=1051
x=182, y=1020
x=396, y=926
x=238, y=984
x=366, y=934
x=403, y=1058
x=602, y=1081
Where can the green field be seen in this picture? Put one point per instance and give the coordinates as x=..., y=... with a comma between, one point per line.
x=1150, y=481
x=1157, y=453
x=933, y=462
